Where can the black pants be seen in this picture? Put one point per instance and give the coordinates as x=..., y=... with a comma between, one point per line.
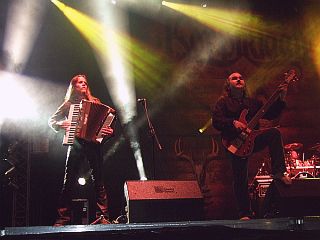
x=270, y=138
x=76, y=154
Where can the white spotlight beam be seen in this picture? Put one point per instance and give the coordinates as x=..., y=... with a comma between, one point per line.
x=23, y=25
x=21, y=106
x=117, y=73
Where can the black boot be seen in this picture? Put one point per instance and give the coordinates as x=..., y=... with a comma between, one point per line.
x=63, y=217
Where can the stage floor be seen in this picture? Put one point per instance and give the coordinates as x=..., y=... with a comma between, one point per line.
x=276, y=228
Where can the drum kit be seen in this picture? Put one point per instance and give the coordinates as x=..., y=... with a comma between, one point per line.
x=296, y=164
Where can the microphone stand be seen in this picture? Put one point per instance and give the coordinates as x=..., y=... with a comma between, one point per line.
x=153, y=134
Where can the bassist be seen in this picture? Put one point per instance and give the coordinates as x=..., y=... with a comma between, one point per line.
x=226, y=118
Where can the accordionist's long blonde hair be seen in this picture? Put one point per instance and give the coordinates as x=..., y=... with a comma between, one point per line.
x=71, y=93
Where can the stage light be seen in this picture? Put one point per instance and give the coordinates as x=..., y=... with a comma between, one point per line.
x=232, y=21
x=6, y=167
x=82, y=181
x=15, y=101
x=206, y=126
x=118, y=75
x=311, y=33
x=131, y=131
x=144, y=7
x=23, y=25
x=235, y=23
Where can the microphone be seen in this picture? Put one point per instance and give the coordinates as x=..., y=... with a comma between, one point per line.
x=141, y=99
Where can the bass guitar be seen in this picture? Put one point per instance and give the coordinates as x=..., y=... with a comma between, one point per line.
x=243, y=144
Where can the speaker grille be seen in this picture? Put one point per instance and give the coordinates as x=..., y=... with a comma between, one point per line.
x=158, y=201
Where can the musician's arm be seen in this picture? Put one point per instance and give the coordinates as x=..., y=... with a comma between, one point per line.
x=58, y=120
x=220, y=121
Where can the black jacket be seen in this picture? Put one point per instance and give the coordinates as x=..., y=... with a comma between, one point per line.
x=228, y=109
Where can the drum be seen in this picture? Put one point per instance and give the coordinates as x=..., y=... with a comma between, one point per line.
x=316, y=162
x=306, y=167
x=301, y=175
x=309, y=170
x=317, y=171
x=292, y=155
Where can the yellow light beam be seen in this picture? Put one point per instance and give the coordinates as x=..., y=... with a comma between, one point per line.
x=206, y=126
x=233, y=22
x=148, y=66
x=311, y=32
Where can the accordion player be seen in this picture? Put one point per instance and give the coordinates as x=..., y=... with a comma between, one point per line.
x=87, y=120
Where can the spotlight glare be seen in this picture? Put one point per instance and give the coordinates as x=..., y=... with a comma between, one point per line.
x=206, y=126
x=82, y=181
x=22, y=27
x=22, y=106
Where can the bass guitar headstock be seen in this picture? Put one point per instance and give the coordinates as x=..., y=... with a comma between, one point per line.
x=291, y=76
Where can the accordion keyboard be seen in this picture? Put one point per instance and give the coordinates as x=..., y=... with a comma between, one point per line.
x=73, y=118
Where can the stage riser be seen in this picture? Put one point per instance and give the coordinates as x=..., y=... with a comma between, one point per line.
x=260, y=229
x=183, y=233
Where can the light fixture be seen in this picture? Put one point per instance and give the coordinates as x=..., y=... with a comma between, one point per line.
x=82, y=181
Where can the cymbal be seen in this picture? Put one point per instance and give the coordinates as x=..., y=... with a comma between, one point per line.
x=293, y=146
x=315, y=147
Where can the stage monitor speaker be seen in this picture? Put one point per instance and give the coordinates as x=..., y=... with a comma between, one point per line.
x=302, y=198
x=80, y=212
x=163, y=201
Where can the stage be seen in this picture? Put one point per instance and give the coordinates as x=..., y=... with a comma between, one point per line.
x=277, y=228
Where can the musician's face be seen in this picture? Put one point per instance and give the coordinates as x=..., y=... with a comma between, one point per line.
x=81, y=85
x=236, y=80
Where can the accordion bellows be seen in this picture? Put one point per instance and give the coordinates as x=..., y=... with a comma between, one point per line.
x=87, y=120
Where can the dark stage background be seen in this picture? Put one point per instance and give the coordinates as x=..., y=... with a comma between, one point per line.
x=185, y=87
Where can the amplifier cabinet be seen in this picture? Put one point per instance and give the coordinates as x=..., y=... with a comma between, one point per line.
x=163, y=201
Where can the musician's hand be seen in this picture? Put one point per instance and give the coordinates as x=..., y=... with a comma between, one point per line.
x=283, y=88
x=106, y=131
x=65, y=124
x=239, y=125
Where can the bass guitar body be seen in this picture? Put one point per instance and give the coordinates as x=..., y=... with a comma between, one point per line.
x=243, y=144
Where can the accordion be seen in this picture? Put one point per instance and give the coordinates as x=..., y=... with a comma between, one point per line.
x=87, y=119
